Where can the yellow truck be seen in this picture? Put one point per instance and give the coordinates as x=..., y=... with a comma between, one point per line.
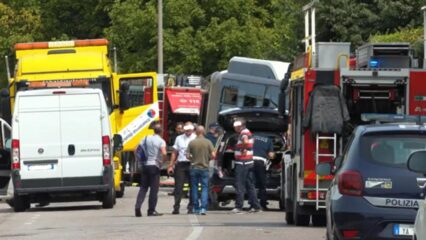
x=131, y=99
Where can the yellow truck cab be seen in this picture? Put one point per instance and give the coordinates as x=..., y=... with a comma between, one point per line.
x=131, y=98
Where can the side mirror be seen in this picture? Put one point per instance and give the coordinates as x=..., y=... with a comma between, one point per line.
x=323, y=169
x=338, y=162
x=5, y=105
x=417, y=162
x=118, y=142
x=282, y=103
x=124, y=96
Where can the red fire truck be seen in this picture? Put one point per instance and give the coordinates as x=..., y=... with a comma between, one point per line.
x=380, y=78
x=182, y=99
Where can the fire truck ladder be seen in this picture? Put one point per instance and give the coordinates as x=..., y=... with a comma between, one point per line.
x=319, y=155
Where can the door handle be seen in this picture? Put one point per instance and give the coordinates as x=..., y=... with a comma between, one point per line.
x=71, y=149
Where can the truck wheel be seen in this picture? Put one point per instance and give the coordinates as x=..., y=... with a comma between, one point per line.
x=300, y=219
x=289, y=218
x=120, y=193
x=319, y=220
x=109, y=198
x=20, y=203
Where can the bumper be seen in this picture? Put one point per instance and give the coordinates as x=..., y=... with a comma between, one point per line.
x=225, y=189
x=372, y=222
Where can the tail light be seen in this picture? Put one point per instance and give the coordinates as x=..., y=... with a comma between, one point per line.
x=16, y=165
x=106, y=150
x=350, y=233
x=350, y=183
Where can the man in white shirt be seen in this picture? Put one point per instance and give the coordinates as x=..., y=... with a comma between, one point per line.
x=180, y=165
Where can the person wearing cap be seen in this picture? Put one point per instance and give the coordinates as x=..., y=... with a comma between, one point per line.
x=180, y=165
x=262, y=151
x=213, y=133
x=154, y=147
x=244, y=168
x=200, y=151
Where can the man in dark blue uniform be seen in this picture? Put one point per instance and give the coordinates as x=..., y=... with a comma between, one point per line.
x=262, y=151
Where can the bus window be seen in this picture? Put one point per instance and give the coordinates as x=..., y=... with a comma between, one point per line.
x=271, y=97
x=250, y=95
x=229, y=98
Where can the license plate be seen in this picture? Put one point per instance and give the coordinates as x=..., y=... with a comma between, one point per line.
x=403, y=230
x=40, y=167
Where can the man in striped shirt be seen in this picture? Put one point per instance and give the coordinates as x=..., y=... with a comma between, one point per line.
x=244, y=168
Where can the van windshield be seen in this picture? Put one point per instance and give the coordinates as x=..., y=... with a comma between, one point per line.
x=392, y=150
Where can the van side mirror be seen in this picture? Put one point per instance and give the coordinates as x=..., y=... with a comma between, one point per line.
x=323, y=169
x=338, y=162
x=5, y=111
x=124, y=96
x=118, y=142
x=417, y=162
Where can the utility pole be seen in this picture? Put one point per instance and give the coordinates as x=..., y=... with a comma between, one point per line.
x=160, y=37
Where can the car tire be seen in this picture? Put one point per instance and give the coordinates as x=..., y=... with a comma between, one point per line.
x=20, y=203
x=319, y=220
x=120, y=193
x=213, y=202
x=109, y=198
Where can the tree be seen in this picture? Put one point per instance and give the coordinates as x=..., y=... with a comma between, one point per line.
x=355, y=20
x=18, y=25
x=70, y=19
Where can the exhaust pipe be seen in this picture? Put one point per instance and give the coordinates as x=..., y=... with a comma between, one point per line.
x=424, y=36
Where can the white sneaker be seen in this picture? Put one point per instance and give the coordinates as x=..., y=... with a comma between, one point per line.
x=237, y=211
x=255, y=210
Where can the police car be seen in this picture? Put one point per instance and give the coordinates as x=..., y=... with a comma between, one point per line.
x=374, y=195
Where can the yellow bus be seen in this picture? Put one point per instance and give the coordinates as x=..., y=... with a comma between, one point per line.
x=131, y=98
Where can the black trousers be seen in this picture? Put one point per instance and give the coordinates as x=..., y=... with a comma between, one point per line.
x=182, y=174
x=244, y=182
x=150, y=178
x=260, y=180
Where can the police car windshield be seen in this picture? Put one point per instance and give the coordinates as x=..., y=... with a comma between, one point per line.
x=391, y=150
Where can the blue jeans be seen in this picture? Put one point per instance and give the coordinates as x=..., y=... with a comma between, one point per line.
x=200, y=176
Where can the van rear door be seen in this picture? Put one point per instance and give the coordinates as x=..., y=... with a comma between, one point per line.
x=39, y=134
x=81, y=138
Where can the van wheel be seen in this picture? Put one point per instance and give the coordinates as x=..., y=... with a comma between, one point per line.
x=319, y=220
x=109, y=198
x=20, y=203
x=120, y=193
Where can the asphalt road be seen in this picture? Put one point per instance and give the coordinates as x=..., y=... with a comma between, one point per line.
x=87, y=220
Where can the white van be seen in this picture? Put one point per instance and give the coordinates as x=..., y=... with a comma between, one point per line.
x=61, y=147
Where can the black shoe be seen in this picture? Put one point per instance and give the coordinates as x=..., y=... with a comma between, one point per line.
x=175, y=212
x=190, y=211
x=154, y=214
x=138, y=213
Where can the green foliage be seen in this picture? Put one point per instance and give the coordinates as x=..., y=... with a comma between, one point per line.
x=355, y=20
x=17, y=25
x=200, y=36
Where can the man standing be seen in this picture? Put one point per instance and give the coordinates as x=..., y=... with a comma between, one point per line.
x=200, y=151
x=244, y=168
x=213, y=133
x=180, y=165
x=154, y=148
x=262, y=150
